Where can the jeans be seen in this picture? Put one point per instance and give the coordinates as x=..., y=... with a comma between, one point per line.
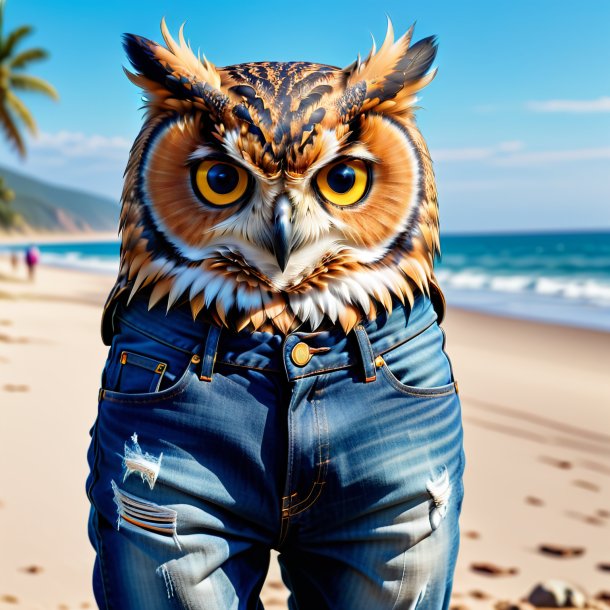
x=210, y=448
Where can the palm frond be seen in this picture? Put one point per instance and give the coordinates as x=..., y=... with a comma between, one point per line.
x=13, y=135
x=9, y=43
x=25, y=57
x=26, y=82
x=21, y=110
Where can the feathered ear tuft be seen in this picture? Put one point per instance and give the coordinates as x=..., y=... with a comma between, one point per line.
x=393, y=73
x=174, y=74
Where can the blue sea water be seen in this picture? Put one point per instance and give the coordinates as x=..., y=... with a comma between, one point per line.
x=553, y=277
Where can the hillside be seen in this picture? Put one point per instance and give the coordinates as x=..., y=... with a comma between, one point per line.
x=47, y=207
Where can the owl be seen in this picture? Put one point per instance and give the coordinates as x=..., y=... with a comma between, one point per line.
x=276, y=196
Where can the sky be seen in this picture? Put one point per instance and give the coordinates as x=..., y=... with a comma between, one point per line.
x=517, y=119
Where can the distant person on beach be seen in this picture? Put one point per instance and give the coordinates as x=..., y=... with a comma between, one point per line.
x=14, y=261
x=32, y=257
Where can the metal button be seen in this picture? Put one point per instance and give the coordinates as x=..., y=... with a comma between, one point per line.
x=300, y=354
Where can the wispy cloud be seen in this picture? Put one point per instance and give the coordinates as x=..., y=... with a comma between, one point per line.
x=70, y=144
x=476, y=153
x=548, y=157
x=514, y=154
x=601, y=104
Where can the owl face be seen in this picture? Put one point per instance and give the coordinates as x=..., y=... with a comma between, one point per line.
x=274, y=195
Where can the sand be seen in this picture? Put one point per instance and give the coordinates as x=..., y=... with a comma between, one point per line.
x=536, y=408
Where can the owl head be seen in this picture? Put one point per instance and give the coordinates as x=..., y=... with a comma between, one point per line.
x=279, y=195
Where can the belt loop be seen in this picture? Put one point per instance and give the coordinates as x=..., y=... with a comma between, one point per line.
x=209, y=352
x=366, y=354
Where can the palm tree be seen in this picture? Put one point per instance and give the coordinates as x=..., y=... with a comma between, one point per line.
x=13, y=79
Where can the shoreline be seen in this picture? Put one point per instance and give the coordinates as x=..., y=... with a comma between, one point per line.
x=57, y=238
x=535, y=315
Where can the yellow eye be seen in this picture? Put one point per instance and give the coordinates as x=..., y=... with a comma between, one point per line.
x=343, y=183
x=220, y=183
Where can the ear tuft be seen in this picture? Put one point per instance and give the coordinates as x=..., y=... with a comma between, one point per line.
x=394, y=72
x=172, y=72
x=141, y=55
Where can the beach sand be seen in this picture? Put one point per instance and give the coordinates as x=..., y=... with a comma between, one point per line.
x=536, y=411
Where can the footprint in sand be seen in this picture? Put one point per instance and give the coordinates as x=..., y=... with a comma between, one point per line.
x=557, y=550
x=585, y=485
x=7, y=339
x=274, y=584
x=477, y=594
x=9, y=599
x=471, y=534
x=590, y=519
x=33, y=569
x=534, y=501
x=491, y=569
x=15, y=387
x=557, y=463
x=604, y=567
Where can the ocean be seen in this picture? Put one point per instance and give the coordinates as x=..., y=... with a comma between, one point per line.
x=551, y=277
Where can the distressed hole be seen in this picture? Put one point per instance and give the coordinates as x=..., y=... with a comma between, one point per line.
x=144, y=514
x=440, y=490
x=163, y=572
x=144, y=464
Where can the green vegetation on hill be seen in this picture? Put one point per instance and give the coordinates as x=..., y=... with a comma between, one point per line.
x=46, y=207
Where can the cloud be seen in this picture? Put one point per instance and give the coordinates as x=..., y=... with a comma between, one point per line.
x=601, y=104
x=554, y=156
x=70, y=144
x=514, y=154
x=475, y=153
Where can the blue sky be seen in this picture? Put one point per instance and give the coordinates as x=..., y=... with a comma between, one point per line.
x=517, y=118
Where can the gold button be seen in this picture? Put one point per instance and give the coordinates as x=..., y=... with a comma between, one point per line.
x=379, y=362
x=300, y=354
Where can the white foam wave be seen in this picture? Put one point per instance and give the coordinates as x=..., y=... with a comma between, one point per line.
x=585, y=289
x=75, y=260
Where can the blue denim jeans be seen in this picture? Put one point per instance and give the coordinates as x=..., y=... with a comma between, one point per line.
x=211, y=448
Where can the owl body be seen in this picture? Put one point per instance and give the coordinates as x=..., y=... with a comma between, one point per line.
x=277, y=196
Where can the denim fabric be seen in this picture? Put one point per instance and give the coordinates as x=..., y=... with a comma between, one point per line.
x=210, y=448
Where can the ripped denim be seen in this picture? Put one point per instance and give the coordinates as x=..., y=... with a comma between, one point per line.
x=211, y=448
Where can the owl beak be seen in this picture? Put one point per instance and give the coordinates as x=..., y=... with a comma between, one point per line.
x=282, y=230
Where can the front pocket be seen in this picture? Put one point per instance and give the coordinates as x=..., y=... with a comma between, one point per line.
x=440, y=390
x=178, y=387
x=138, y=373
x=420, y=365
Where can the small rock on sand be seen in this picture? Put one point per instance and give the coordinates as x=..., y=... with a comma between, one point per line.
x=557, y=594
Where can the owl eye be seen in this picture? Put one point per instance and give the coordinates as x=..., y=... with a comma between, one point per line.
x=220, y=183
x=344, y=182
